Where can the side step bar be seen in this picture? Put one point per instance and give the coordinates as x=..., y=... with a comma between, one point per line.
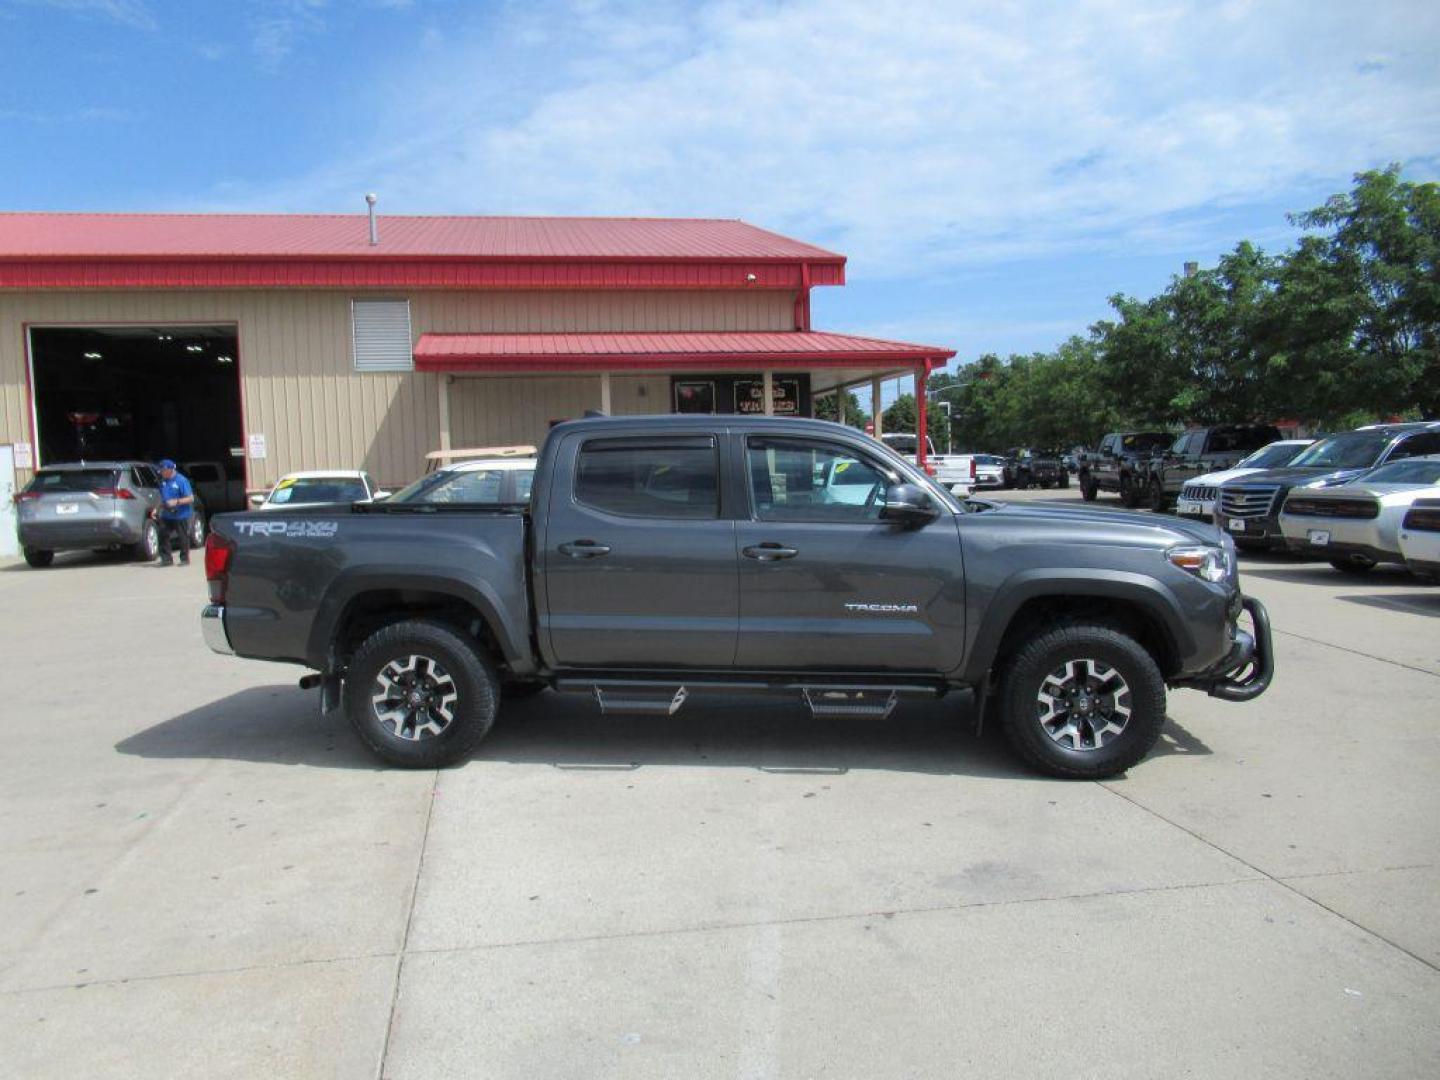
x=657, y=697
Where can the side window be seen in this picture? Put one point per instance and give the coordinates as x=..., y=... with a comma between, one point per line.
x=1222, y=442
x=799, y=480
x=479, y=486
x=145, y=477
x=524, y=483
x=650, y=478
x=1425, y=442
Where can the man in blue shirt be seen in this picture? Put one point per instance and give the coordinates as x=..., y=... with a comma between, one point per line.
x=177, y=500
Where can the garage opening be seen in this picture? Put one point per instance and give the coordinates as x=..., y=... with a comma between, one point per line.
x=146, y=392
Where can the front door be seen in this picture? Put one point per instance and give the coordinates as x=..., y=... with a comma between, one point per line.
x=639, y=564
x=825, y=583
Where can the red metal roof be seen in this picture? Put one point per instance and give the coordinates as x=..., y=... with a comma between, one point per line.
x=346, y=235
x=780, y=349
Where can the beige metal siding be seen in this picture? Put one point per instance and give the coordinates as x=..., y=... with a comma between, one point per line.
x=300, y=389
x=518, y=409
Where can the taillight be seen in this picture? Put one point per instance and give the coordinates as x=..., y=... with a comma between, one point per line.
x=113, y=493
x=218, y=552
x=972, y=468
x=27, y=496
x=930, y=469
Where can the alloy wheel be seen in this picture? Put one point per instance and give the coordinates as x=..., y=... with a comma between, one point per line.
x=414, y=697
x=1083, y=704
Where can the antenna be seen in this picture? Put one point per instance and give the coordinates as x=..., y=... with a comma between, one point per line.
x=370, y=200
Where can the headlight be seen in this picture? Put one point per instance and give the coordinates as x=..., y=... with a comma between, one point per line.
x=1208, y=563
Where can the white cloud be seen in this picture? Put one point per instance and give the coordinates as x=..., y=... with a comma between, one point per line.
x=136, y=13
x=912, y=135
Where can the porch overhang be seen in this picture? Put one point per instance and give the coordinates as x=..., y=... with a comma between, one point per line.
x=618, y=353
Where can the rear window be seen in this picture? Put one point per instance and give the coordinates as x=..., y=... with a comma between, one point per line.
x=204, y=473
x=650, y=478
x=73, y=480
x=1414, y=471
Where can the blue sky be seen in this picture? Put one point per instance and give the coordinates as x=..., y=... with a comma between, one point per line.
x=994, y=171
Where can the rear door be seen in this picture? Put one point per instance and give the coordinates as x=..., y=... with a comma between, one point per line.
x=638, y=561
x=824, y=582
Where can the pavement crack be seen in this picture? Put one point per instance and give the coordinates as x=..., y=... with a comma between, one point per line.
x=409, y=922
x=1357, y=652
x=1282, y=882
x=849, y=916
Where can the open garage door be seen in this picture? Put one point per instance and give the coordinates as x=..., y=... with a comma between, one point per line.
x=145, y=392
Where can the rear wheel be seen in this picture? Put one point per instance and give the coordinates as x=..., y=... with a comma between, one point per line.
x=1082, y=701
x=1129, y=496
x=1157, y=496
x=39, y=559
x=196, y=534
x=1353, y=564
x=420, y=695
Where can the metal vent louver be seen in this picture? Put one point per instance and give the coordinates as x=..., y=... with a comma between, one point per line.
x=381, y=334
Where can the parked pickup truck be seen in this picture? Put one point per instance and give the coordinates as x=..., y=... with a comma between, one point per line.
x=1200, y=451
x=957, y=472
x=661, y=559
x=1121, y=464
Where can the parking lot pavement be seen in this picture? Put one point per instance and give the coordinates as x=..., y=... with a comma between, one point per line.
x=202, y=876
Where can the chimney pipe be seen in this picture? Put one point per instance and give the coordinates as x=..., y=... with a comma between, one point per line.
x=374, y=229
x=1191, y=268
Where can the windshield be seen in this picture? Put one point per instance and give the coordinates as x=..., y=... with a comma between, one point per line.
x=1153, y=440
x=470, y=486
x=1274, y=456
x=1357, y=450
x=317, y=489
x=1414, y=471
x=73, y=480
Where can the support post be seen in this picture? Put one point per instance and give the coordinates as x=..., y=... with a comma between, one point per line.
x=921, y=419
x=769, y=392
x=444, y=383
x=605, y=392
x=875, y=409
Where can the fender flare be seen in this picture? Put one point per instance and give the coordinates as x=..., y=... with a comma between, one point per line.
x=349, y=586
x=1067, y=583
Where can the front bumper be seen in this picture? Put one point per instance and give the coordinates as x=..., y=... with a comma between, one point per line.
x=212, y=627
x=1265, y=530
x=72, y=535
x=1196, y=508
x=1245, y=672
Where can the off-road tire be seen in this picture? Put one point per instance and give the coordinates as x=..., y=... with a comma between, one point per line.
x=1024, y=673
x=148, y=549
x=1129, y=497
x=1157, y=496
x=39, y=559
x=476, y=685
x=1089, y=489
x=1353, y=564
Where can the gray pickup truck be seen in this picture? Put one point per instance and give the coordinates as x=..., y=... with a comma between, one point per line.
x=662, y=559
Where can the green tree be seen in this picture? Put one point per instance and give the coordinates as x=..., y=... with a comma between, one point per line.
x=901, y=416
x=855, y=416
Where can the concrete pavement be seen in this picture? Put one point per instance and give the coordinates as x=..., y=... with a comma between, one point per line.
x=202, y=876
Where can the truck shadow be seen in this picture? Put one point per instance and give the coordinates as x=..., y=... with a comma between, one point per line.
x=280, y=725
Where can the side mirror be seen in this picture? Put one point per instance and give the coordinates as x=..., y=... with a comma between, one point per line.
x=907, y=504
x=256, y=500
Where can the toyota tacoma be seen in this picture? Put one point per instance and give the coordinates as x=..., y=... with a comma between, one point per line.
x=663, y=559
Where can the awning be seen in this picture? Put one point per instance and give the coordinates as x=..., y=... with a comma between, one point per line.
x=781, y=350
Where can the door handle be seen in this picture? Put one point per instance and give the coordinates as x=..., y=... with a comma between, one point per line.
x=769, y=552
x=584, y=549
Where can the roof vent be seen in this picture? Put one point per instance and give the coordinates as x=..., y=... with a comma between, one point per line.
x=370, y=201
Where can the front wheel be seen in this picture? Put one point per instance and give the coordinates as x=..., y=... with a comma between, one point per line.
x=419, y=694
x=148, y=549
x=1082, y=701
x=39, y=559
x=1088, y=488
x=1353, y=564
x=196, y=534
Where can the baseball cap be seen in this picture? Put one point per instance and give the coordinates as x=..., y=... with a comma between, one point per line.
x=166, y=463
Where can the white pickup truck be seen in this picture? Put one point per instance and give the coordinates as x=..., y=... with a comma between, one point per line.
x=955, y=471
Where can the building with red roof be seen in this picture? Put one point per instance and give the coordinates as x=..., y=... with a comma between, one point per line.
x=269, y=343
